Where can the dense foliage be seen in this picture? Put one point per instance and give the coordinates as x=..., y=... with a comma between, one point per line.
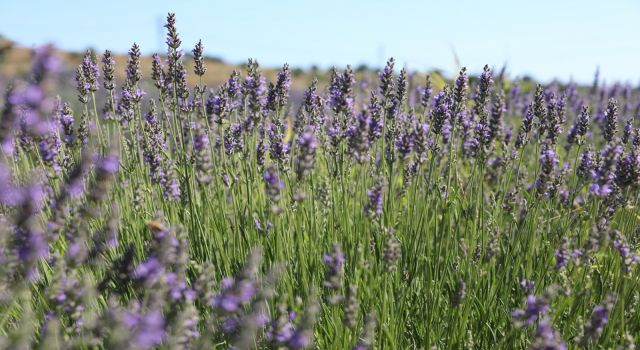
x=479, y=213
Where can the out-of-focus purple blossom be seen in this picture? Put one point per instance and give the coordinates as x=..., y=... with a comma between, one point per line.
x=254, y=88
x=610, y=127
x=67, y=121
x=548, y=162
x=280, y=330
x=628, y=257
x=599, y=318
x=495, y=122
x=169, y=182
x=405, y=142
x=587, y=164
x=535, y=306
x=240, y=290
x=547, y=338
x=302, y=338
x=627, y=131
x=603, y=175
x=202, y=151
x=374, y=206
x=358, y=136
x=149, y=270
x=562, y=255
x=49, y=149
x=334, y=263
x=28, y=103
x=153, y=145
x=306, y=158
x=273, y=185
x=628, y=170
x=147, y=329
x=376, y=121
x=45, y=62
x=367, y=338
x=426, y=92
x=278, y=148
x=527, y=285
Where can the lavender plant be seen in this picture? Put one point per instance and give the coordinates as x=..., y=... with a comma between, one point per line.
x=347, y=214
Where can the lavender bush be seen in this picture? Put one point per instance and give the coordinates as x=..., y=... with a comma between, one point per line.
x=412, y=213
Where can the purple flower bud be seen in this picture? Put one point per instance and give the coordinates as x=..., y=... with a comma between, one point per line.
x=374, y=207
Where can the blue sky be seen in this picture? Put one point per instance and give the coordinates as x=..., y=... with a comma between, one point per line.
x=544, y=38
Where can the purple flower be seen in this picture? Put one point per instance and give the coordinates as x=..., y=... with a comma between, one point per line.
x=441, y=113
x=279, y=93
x=579, y=129
x=426, y=92
x=548, y=162
x=108, y=70
x=90, y=71
x=358, y=136
x=460, y=91
x=45, y=62
x=599, y=318
x=278, y=149
x=199, y=68
x=234, y=293
x=202, y=150
x=149, y=270
x=494, y=132
x=374, y=207
x=153, y=145
x=603, y=175
x=49, y=147
x=306, y=158
x=147, y=329
x=273, y=185
x=610, y=128
x=405, y=143
x=535, y=306
x=133, y=65
x=628, y=170
x=169, y=182
x=546, y=338
x=253, y=91
x=562, y=255
x=587, y=165
x=341, y=97
x=233, y=138
x=334, y=263
x=527, y=285
x=230, y=325
x=300, y=340
x=628, y=257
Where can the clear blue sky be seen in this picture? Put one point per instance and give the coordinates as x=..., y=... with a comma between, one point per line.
x=543, y=38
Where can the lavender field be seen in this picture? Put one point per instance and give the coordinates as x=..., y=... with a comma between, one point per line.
x=395, y=210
